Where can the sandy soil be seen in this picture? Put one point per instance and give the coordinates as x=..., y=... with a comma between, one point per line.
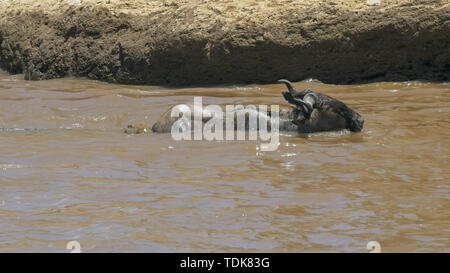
x=182, y=42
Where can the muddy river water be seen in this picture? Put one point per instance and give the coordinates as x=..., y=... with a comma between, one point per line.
x=69, y=172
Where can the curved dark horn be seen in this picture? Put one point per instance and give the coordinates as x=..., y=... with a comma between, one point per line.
x=294, y=93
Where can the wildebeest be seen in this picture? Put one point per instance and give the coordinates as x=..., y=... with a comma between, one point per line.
x=317, y=112
x=311, y=112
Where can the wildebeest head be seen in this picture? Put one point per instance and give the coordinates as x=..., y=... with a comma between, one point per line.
x=355, y=122
x=307, y=101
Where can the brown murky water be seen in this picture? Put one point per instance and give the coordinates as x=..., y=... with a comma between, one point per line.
x=68, y=172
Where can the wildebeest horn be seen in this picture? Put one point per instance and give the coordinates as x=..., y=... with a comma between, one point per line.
x=293, y=96
x=294, y=93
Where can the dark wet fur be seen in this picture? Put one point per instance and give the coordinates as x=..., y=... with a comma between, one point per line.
x=326, y=105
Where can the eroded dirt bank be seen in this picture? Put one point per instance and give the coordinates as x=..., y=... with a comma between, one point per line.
x=215, y=42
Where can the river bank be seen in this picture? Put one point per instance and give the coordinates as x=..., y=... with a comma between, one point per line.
x=223, y=42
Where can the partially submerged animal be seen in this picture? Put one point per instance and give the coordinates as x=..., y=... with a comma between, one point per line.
x=317, y=112
x=311, y=112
